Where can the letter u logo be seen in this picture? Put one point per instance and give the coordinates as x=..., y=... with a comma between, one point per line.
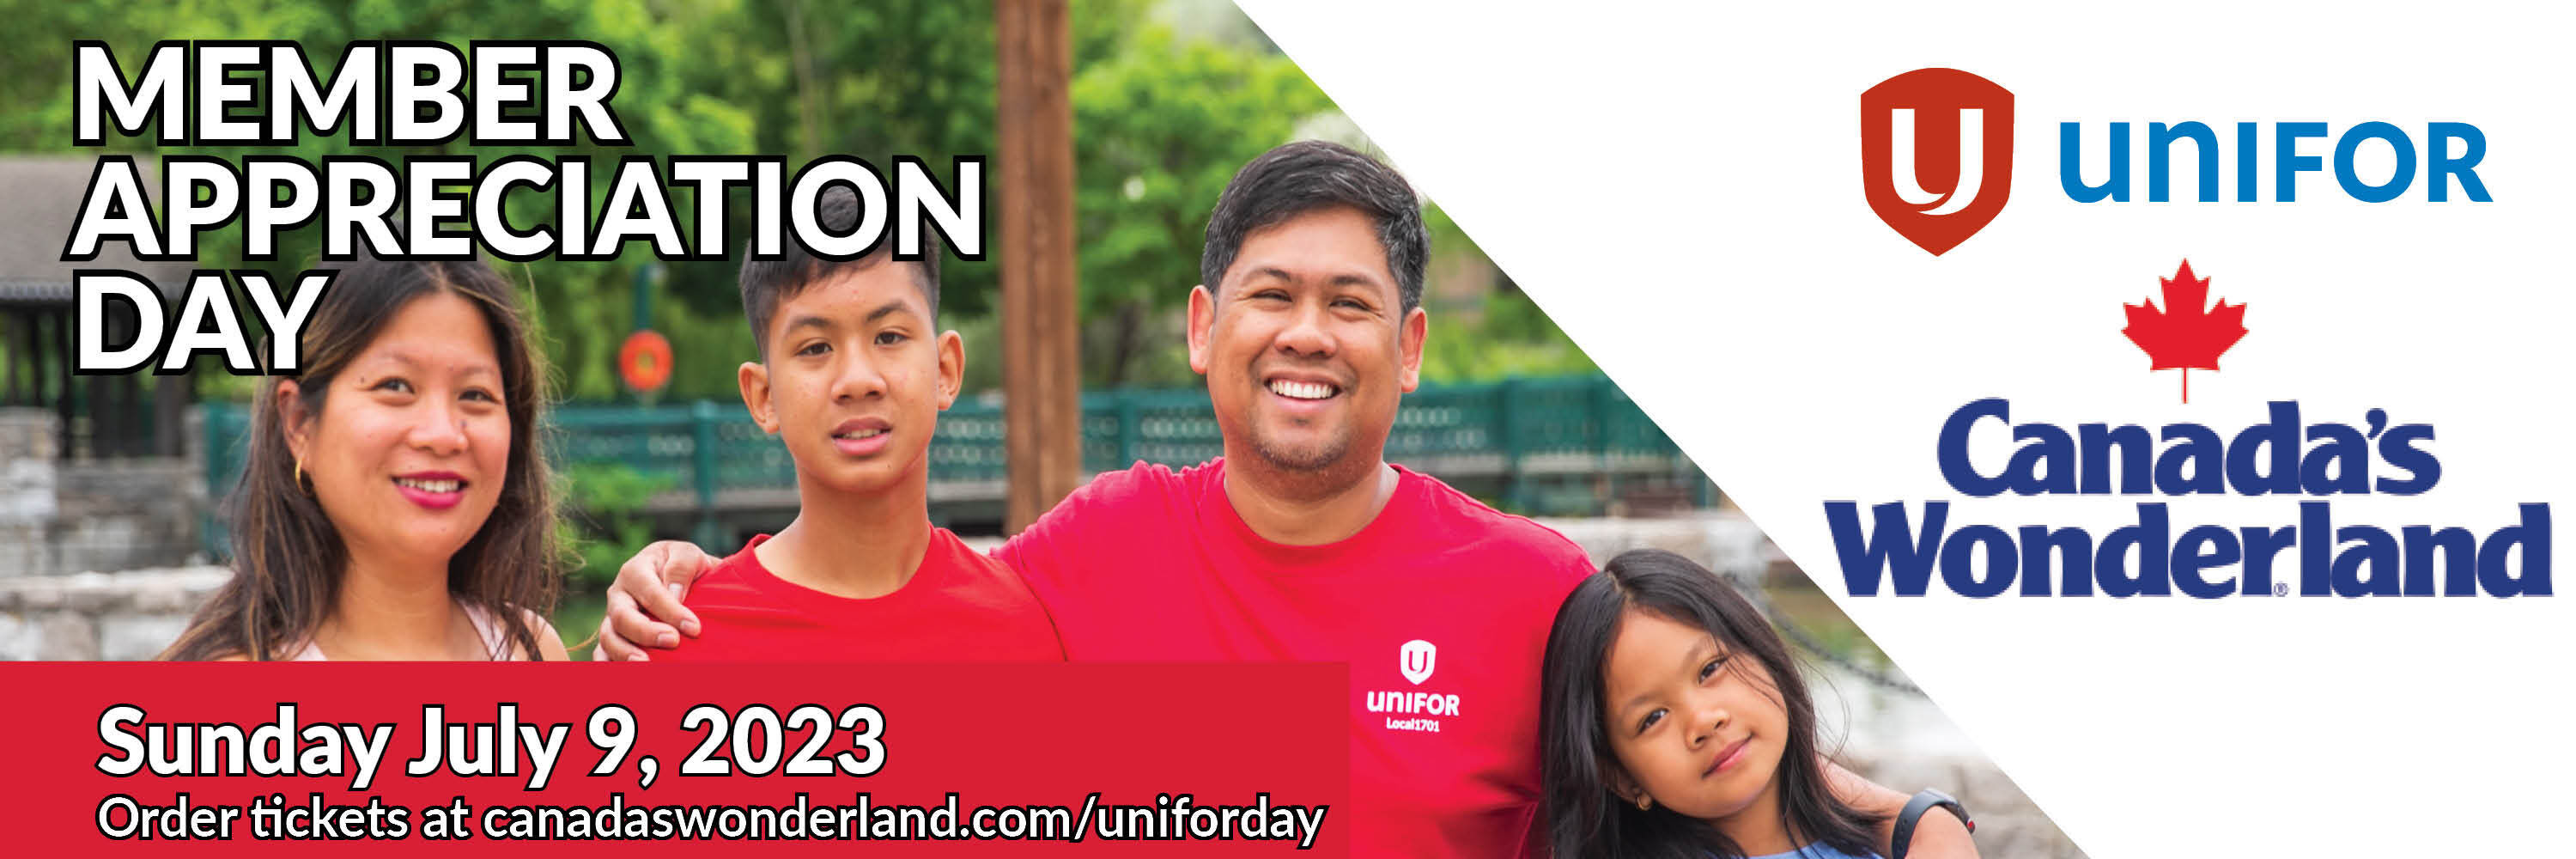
x=1416, y=660
x=1936, y=129
x=1971, y=125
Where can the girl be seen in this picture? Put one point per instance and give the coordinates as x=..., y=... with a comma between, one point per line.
x=1674, y=725
x=395, y=504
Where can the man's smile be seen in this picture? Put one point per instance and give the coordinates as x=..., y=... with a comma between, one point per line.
x=1303, y=390
x=1307, y=385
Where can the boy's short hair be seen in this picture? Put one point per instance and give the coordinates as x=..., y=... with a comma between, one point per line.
x=1309, y=175
x=766, y=282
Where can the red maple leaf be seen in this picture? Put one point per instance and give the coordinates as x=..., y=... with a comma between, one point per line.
x=2183, y=335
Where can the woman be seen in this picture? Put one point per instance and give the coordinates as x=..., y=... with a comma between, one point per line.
x=395, y=504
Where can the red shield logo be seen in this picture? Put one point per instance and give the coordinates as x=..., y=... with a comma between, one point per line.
x=1936, y=154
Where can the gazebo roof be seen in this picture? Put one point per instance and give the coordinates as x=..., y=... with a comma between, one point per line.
x=45, y=194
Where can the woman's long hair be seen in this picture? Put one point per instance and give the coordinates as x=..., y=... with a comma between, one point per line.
x=287, y=555
x=1585, y=819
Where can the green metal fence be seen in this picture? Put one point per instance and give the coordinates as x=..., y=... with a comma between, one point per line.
x=1565, y=445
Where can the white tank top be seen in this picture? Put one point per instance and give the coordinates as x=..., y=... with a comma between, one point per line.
x=495, y=639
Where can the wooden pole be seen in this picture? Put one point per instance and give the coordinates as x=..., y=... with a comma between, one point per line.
x=1042, y=418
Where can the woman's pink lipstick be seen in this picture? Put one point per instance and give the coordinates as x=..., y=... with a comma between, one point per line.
x=434, y=496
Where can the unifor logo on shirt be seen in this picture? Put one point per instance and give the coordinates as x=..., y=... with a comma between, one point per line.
x=1417, y=659
x=1414, y=710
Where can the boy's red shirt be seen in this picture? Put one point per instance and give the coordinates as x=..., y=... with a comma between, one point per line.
x=959, y=606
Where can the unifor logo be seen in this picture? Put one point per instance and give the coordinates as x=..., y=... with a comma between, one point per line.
x=1936, y=154
x=1416, y=660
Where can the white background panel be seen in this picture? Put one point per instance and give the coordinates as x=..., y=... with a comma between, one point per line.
x=1679, y=187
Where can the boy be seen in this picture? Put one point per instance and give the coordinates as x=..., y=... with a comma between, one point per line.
x=852, y=377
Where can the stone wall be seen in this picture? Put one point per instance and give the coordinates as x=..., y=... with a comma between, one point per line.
x=29, y=446
x=128, y=615
x=63, y=520
x=125, y=514
x=67, y=516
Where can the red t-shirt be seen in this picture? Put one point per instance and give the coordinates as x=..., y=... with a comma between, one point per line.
x=959, y=606
x=1441, y=606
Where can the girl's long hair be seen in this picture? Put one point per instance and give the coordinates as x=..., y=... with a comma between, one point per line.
x=287, y=555
x=1585, y=819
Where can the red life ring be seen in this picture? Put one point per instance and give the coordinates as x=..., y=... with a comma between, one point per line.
x=645, y=361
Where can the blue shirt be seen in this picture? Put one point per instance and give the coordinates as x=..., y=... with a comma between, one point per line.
x=1817, y=850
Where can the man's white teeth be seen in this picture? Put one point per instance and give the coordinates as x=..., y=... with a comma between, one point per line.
x=1301, y=390
x=860, y=434
x=439, y=486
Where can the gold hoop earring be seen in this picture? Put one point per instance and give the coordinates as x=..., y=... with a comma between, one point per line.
x=1644, y=801
x=299, y=474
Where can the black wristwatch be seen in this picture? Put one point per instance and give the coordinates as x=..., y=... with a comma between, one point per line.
x=1914, y=808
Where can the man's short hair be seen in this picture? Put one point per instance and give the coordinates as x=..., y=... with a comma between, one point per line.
x=767, y=282
x=1308, y=175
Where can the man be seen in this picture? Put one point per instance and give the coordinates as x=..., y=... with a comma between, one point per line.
x=1302, y=542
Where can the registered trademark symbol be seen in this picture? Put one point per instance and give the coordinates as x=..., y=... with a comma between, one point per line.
x=2280, y=589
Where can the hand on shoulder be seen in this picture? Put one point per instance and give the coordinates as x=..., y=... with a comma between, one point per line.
x=651, y=585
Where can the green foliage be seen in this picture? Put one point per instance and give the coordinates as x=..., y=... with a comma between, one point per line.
x=608, y=499
x=1510, y=337
x=1159, y=129
x=1501, y=333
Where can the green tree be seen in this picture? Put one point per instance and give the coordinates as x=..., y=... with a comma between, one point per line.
x=1159, y=128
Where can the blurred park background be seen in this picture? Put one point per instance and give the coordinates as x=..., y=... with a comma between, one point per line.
x=109, y=486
